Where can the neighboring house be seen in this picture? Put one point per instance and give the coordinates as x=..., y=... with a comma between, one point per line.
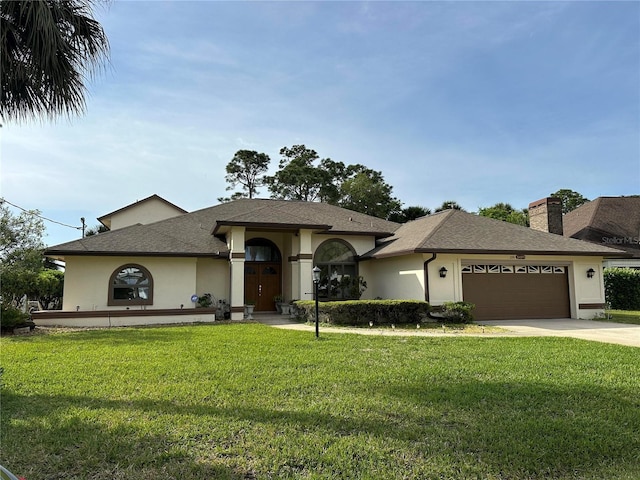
x=610, y=222
x=251, y=250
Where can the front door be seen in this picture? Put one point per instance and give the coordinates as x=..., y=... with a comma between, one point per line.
x=261, y=283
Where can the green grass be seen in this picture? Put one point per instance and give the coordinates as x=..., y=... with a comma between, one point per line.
x=623, y=316
x=249, y=401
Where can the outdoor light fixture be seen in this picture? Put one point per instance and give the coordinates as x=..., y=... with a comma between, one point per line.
x=316, y=281
x=443, y=272
x=590, y=273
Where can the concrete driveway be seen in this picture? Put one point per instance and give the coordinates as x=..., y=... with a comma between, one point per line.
x=607, y=332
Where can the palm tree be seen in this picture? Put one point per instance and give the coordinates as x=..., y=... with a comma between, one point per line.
x=49, y=48
x=449, y=205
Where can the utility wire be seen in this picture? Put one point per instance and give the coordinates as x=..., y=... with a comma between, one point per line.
x=31, y=212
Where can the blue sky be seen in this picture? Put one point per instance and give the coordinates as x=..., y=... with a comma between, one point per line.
x=478, y=102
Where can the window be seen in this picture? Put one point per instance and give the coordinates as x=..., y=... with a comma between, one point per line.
x=131, y=285
x=338, y=270
x=261, y=250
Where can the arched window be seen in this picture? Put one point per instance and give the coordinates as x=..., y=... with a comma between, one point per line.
x=338, y=270
x=131, y=285
x=261, y=250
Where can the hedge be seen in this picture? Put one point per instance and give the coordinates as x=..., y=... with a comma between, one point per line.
x=361, y=312
x=622, y=288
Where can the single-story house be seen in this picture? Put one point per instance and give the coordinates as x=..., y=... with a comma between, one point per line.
x=610, y=222
x=252, y=250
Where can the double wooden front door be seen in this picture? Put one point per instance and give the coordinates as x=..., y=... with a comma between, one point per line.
x=262, y=282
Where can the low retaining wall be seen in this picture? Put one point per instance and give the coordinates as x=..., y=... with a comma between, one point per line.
x=122, y=318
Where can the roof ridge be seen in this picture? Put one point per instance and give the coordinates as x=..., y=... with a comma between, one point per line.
x=595, y=209
x=447, y=214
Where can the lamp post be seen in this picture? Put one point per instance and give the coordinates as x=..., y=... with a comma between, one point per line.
x=316, y=282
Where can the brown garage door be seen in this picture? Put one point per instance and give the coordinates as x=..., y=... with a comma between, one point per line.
x=503, y=292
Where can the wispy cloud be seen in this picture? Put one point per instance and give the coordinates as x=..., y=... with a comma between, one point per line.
x=479, y=102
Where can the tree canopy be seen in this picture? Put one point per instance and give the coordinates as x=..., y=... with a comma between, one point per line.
x=48, y=50
x=570, y=199
x=247, y=169
x=95, y=230
x=298, y=178
x=409, y=213
x=22, y=266
x=506, y=213
x=20, y=237
x=366, y=191
x=303, y=175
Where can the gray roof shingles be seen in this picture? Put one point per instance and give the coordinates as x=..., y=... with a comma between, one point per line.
x=192, y=234
x=457, y=231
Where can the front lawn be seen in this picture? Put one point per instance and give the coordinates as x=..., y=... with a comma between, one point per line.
x=246, y=401
x=623, y=316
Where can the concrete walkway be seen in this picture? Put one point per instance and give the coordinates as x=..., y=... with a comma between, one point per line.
x=607, y=332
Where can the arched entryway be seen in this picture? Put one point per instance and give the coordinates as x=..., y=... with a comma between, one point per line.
x=262, y=273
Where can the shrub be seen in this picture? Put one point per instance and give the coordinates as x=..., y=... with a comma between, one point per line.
x=11, y=317
x=457, y=312
x=205, y=301
x=361, y=312
x=622, y=288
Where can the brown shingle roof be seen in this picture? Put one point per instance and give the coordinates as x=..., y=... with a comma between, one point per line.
x=605, y=221
x=454, y=231
x=192, y=234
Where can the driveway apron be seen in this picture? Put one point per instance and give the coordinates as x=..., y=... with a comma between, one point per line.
x=607, y=332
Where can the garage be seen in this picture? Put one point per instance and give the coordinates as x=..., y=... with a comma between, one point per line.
x=502, y=292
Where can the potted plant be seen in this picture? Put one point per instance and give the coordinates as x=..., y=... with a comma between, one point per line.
x=205, y=301
x=286, y=308
x=249, y=305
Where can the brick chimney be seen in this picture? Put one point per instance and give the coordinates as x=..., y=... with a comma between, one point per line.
x=546, y=215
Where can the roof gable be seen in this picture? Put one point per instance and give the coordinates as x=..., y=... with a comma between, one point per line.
x=147, y=210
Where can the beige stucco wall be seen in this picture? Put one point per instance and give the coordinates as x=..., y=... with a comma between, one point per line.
x=87, y=278
x=150, y=211
x=397, y=278
x=403, y=277
x=213, y=276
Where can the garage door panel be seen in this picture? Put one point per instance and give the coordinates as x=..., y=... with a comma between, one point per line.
x=517, y=295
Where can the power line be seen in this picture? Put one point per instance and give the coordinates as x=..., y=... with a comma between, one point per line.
x=31, y=212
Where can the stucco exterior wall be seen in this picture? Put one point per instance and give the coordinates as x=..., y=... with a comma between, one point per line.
x=150, y=211
x=86, y=285
x=403, y=278
x=360, y=243
x=213, y=277
x=588, y=291
x=396, y=278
